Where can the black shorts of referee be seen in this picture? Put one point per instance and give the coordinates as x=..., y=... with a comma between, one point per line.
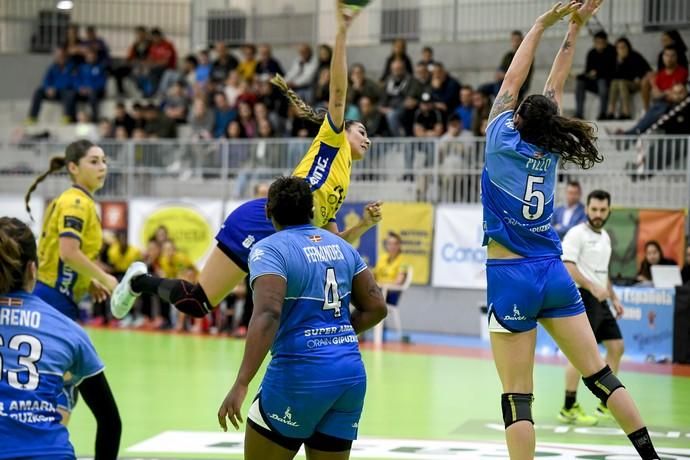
x=601, y=319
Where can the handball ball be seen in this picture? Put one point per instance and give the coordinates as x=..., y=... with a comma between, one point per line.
x=354, y=5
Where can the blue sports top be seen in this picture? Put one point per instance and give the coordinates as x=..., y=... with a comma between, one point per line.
x=518, y=184
x=40, y=348
x=315, y=344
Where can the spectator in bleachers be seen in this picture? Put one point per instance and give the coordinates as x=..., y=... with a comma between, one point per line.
x=664, y=91
x=428, y=119
x=668, y=38
x=86, y=128
x=245, y=115
x=480, y=114
x=106, y=129
x=422, y=73
x=247, y=66
x=325, y=54
x=465, y=109
x=138, y=116
x=685, y=271
x=631, y=69
x=444, y=89
x=247, y=93
x=90, y=84
x=202, y=73
x=224, y=64
x=458, y=153
x=158, y=124
x=57, y=85
x=361, y=85
x=201, y=119
x=398, y=52
x=123, y=118
x=233, y=87
x=427, y=57
x=600, y=67
x=162, y=56
x=187, y=74
x=73, y=46
x=653, y=255
x=372, y=119
x=491, y=89
x=321, y=88
x=136, y=56
x=261, y=113
x=176, y=102
x=224, y=114
x=275, y=102
x=400, y=98
x=301, y=74
x=678, y=122
x=267, y=64
x=572, y=213
x=97, y=44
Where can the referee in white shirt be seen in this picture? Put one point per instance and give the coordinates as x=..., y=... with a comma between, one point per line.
x=586, y=254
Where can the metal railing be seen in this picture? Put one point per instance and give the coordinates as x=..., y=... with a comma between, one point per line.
x=651, y=172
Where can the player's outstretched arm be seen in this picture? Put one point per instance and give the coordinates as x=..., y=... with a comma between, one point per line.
x=519, y=67
x=338, y=85
x=97, y=395
x=370, y=306
x=269, y=294
x=372, y=216
x=564, y=59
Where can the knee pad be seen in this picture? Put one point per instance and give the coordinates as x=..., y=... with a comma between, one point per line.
x=516, y=407
x=190, y=299
x=603, y=384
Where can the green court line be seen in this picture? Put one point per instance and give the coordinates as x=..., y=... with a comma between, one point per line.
x=168, y=382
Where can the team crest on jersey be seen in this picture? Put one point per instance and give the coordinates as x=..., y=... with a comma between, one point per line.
x=314, y=238
x=248, y=241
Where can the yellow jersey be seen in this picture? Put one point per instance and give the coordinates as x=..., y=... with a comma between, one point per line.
x=120, y=261
x=386, y=271
x=327, y=166
x=73, y=214
x=173, y=266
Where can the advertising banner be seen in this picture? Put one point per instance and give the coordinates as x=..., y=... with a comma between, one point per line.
x=459, y=259
x=191, y=223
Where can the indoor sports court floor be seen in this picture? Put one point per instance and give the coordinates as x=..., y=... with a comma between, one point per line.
x=423, y=402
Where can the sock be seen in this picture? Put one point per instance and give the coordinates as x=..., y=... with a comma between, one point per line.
x=145, y=284
x=570, y=398
x=643, y=444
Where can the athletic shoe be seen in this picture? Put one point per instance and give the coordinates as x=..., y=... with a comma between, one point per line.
x=123, y=297
x=576, y=416
x=603, y=413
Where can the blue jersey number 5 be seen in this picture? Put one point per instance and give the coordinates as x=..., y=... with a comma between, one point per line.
x=532, y=210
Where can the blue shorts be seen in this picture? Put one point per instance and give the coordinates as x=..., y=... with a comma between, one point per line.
x=299, y=413
x=243, y=228
x=520, y=291
x=57, y=300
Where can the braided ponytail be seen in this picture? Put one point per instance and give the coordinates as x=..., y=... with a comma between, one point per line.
x=56, y=164
x=305, y=110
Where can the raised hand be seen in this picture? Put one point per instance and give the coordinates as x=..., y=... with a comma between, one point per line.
x=558, y=12
x=344, y=15
x=588, y=9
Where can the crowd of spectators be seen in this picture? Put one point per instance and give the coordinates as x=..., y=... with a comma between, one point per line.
x=223, y=93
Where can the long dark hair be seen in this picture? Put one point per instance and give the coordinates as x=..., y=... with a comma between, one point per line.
x=645, y=266
x=573, y=140
x=17, y=250
x=304, y=110
x=73, y=153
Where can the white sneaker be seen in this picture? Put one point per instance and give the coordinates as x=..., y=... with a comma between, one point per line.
x=123, y=297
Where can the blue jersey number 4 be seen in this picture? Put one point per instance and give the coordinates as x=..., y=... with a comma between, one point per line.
x=331, y=296
x=532, y=210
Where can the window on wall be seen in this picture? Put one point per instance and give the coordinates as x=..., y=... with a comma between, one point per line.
x=666, y=14
x=227, y=26
x=400, y=19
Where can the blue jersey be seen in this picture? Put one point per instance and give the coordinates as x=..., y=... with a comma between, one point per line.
x=518, y=184
x=39, y=348
x=315, y=344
